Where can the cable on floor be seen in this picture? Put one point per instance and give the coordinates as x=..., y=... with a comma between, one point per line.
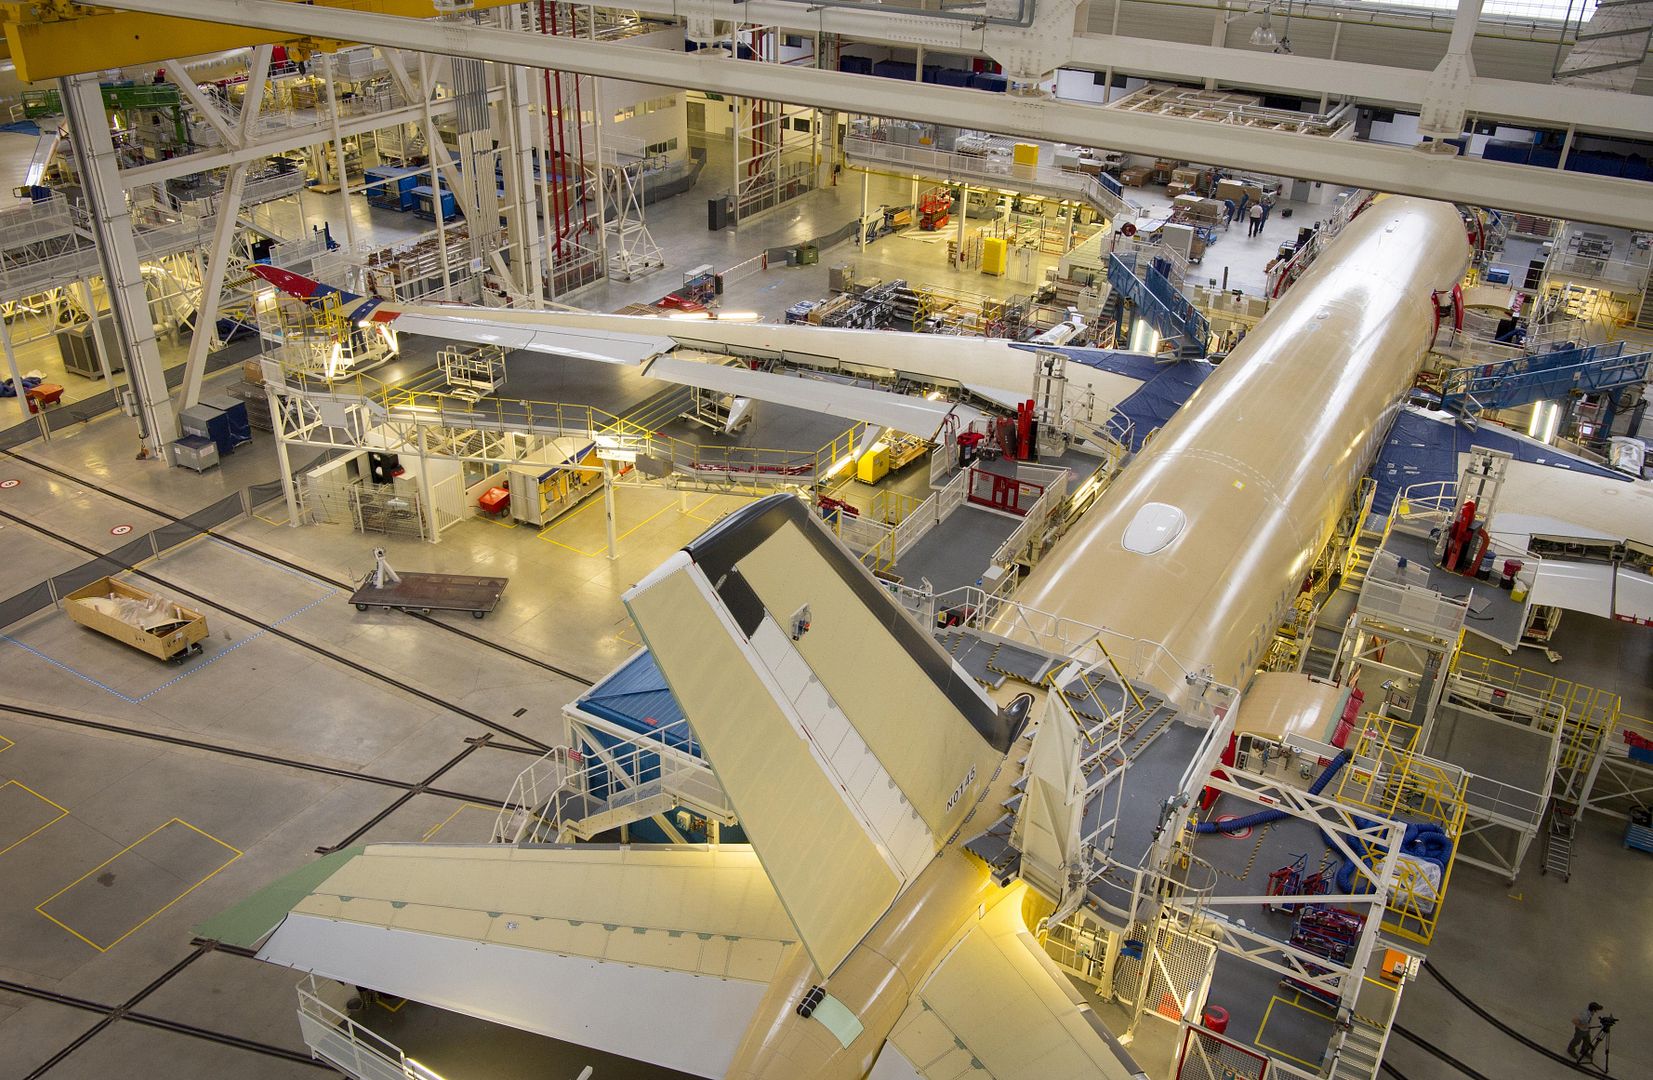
x=1435, y=1051
x=1469, y=1003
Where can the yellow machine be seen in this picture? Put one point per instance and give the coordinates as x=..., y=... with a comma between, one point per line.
x=874, y=464
x=1025, y=153
x=995, y=252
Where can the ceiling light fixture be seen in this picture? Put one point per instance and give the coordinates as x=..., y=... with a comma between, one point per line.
x=1264, y=36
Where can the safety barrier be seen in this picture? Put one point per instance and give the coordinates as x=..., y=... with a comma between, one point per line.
x=138, y=551
x=995, y=171
x=335, y=1038
x=575, y=794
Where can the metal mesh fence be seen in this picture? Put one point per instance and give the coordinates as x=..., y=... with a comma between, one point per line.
x=138, y=550
x=1209, y=1056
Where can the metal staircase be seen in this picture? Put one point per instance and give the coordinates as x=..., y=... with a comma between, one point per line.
x=1545, y=377
x=1361, y=1052
x=1152, y=292
x=1609, y=49
x=568, y=795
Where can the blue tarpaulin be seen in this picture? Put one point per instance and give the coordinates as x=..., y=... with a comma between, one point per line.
x=1165, y=386
x=1423, y=447
x=636, y=698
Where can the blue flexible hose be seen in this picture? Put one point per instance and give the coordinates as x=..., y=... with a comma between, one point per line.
x=1263, y=817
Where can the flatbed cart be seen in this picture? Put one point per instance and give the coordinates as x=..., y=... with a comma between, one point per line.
x=385, y=588
x=143, y=620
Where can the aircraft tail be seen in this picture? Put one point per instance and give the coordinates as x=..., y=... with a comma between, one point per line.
x=850, y=744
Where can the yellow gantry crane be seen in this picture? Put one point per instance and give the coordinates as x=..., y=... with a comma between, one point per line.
x=55, y=38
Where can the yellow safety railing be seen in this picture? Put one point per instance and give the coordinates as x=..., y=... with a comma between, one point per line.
x=1404, y=785
x=422, y=401
x=1585, y=713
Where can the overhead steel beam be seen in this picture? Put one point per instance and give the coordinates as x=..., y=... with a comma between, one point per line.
x=1535, y=104
x=1510, y=187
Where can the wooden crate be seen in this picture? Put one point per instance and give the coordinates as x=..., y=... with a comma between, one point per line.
x=174, y=641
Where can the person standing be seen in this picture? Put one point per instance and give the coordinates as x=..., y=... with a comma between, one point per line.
x=1256, y=215
x=1581, y=1030
x=1268, y=204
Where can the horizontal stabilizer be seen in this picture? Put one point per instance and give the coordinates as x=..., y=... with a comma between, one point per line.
x=688, y=937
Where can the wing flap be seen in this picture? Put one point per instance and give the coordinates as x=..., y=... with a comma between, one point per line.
x=899, y=412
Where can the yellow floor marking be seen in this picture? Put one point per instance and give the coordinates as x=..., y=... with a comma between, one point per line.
x=440, y=825
x=392, y=1008
x=604, y=549
x=40, y=907
x=62, y=812
x=271, y=521
x=1258, y=1041
x=8, y=742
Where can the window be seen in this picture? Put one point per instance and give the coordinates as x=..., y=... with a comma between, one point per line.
x=1554, y=10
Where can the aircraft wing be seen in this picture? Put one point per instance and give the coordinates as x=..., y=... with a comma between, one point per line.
x=482, y=327
x=849, y=743
x=575, y=943
x=998, y=1008
x=554, y=334
x=898, y=412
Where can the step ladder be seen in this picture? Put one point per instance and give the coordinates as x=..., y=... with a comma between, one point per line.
x=1558, y=842
x=1361, y=1053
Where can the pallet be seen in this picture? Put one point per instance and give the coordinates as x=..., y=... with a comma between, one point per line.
x=434, y=592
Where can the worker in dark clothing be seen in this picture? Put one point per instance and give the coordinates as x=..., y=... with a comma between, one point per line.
x=1581, y=1029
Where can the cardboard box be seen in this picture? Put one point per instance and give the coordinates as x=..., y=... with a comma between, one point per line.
x=1135, y=176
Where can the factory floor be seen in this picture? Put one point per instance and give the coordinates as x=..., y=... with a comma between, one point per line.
x=140, y=798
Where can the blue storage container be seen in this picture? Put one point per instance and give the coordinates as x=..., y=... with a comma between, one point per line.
x=895, y=69
x=855, y=65
x=990, y=81
x=425, y=203
x=391, y=186
x=950, y=76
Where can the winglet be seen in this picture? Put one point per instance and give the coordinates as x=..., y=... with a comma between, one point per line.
x=309, y=288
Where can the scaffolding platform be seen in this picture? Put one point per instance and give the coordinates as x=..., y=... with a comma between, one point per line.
x=433, y=592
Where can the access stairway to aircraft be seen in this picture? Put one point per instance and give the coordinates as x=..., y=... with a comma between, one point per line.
x=1545, y=377
x=1361, y=1053
x=1155, y=297
x=568, y=795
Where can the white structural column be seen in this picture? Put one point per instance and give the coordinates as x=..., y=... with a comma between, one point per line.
x=861, y=234
x=1446, y=96
x=118, y=253
x=224, y=231
x=327, y=62
x=518, y=109
x=11, y=368
x=226, y=226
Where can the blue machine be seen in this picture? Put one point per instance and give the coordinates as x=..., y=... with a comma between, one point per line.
x=425, y=203
x=392, y=186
